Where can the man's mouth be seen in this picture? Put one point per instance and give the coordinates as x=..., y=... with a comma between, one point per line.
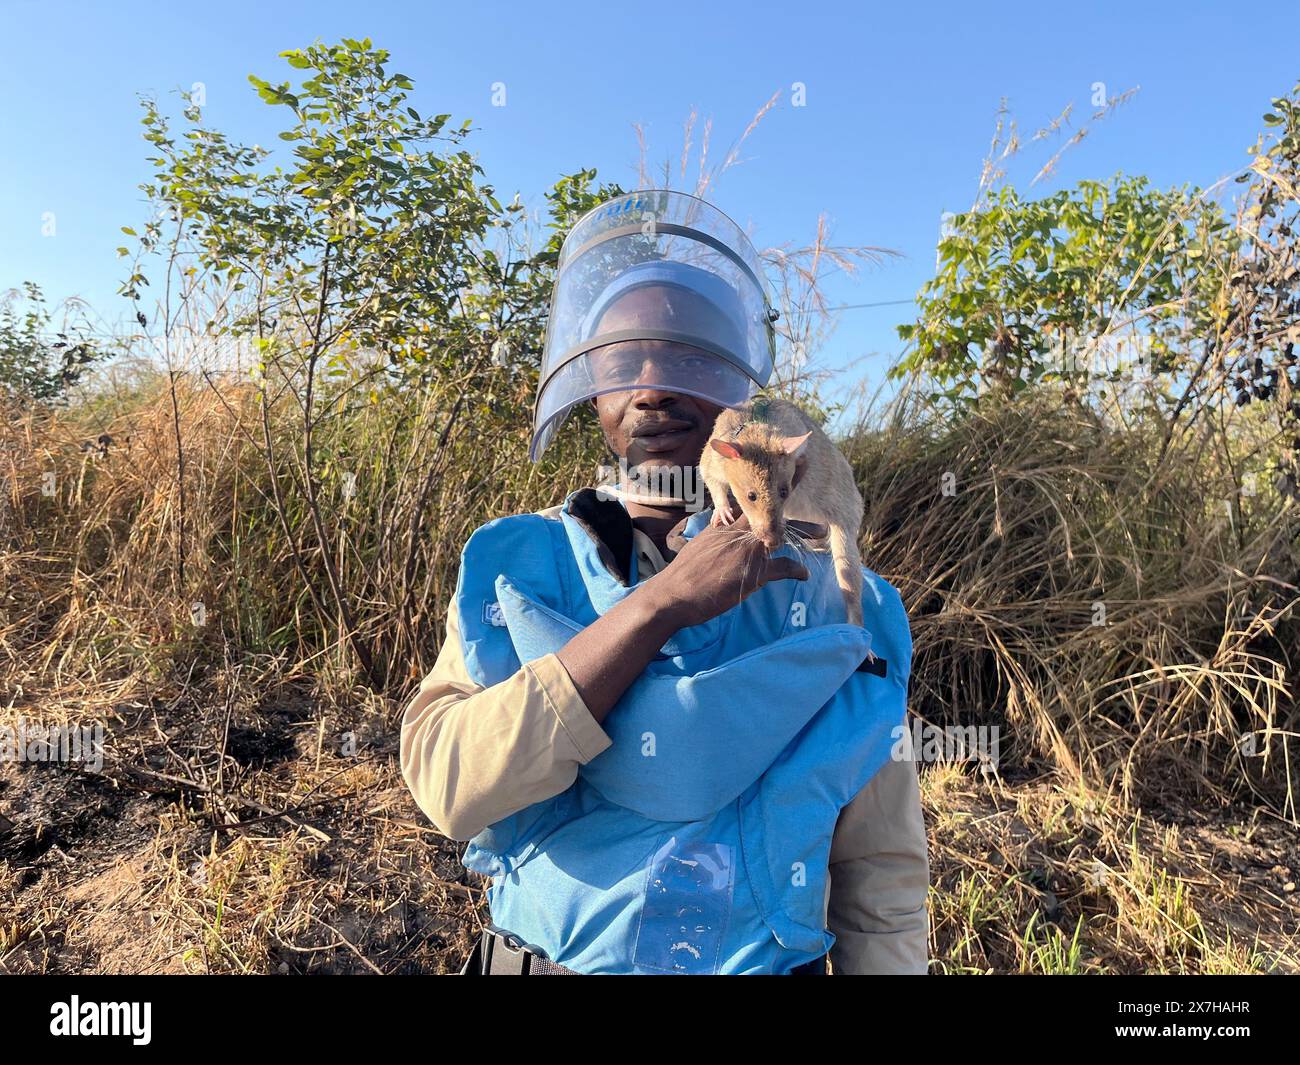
x=660, y=436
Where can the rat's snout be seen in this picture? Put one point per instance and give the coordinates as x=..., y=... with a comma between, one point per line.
x=772, y=535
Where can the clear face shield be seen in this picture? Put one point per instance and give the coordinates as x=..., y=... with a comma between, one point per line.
x=672, y=274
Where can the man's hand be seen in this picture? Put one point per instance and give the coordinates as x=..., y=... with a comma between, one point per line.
x=714, y=571
x=711, y=573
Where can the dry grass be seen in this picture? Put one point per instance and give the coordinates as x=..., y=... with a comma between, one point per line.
x=238, y=826
x=251, y=816
x=1126, y=628
x=1037, y=877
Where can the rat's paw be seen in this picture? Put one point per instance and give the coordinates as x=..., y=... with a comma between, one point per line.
x=722, y=516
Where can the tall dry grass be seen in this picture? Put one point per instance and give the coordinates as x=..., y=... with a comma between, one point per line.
x=1128, y=618
x=109, y=568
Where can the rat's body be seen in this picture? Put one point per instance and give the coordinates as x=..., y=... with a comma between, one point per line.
x=776, y=464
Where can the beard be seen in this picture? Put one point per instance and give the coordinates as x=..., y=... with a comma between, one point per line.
x=652, y=485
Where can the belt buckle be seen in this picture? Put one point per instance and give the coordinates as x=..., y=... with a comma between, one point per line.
x=514, y=947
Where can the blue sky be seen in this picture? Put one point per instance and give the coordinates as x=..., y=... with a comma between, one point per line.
x=899, y=108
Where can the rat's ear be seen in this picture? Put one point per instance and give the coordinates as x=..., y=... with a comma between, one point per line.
x=725, y=449
x=791, y=444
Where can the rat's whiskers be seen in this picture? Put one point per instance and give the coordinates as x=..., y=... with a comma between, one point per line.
x=797, y=541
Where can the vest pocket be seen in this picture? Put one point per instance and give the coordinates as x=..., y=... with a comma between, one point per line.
x=686, y=907
x=788, y=873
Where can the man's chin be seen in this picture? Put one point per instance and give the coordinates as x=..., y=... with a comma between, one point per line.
x=670, y=474
x=659, y=460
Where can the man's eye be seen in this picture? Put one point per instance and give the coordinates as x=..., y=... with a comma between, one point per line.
x=627, y=364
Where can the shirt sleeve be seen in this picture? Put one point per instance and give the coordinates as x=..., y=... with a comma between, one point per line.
x=472, y=755
x=880, y=878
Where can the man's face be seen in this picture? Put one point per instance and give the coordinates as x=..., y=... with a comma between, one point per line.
x=651, y=424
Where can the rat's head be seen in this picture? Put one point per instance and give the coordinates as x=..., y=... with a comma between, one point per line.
x=760, y=465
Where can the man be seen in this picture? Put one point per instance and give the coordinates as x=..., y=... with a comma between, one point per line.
x=668, y=750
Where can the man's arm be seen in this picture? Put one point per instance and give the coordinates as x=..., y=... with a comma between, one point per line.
x=472, y=755
x=880, y=878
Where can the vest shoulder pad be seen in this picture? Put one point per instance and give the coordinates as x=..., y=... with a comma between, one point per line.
x=884, y=614
x=526, y=546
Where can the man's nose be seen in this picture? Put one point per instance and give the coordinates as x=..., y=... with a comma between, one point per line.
x=653, y=399
x=653, y=382
x=652, y=396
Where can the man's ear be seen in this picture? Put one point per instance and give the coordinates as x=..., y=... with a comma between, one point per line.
x=725, y=449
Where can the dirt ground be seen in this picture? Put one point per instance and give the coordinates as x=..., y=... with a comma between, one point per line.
x=274, y=834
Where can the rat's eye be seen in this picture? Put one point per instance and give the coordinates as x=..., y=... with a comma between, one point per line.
x=753, y=497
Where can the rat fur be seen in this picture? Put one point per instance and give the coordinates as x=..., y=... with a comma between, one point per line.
x=775, y=464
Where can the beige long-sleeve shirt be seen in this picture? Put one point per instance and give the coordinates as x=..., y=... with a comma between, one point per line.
x=472, y=756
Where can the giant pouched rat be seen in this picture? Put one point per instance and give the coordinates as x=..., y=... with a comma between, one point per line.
x=775, y=463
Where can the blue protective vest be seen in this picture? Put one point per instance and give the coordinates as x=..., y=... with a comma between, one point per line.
x=699, y=841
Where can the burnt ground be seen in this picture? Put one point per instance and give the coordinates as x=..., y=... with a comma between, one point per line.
x=274, y=834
